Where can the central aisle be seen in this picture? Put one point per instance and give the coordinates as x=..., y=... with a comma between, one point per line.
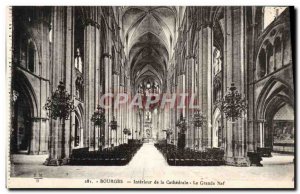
x=148, y=162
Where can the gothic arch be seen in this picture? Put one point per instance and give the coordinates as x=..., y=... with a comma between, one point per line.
x=275, y=95
x=22, y=84
x=26, y=32
x=217, y=128
x=28, y=44
x=261, y=68
x=25, y=111
x=78, y=130
x=274, y=90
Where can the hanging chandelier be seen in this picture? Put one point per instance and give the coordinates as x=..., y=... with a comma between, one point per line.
x=113, y=124
x=126, y=131
x=199, y=118
x=98, y=118
x=233, y=105
x=61, y=104
x=181, y=123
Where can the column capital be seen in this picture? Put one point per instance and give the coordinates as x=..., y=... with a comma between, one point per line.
x=89, y=21
x=35, y=119
x=115, y=72
x=205, y=25
x=252, y=25
x=260, y=121
x=191, y=56
x=106, y=55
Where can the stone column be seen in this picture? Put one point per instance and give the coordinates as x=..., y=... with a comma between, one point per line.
x=107, y=70
x=44, y=71
x=261, y=135
x=69, y=82
x=190, y=91
x=108, y=83
x=175, y=110
x=44, y=137
x=116, y=113
x=193, y=103
x=89, y=81
x=200, y=85
x=235, y=153
x=251, y=39
x=121, y=109
x=187, y=91
x=59, y=134
x=35, y=136
x=57, y=15
x=205, y=82
x=97, y=81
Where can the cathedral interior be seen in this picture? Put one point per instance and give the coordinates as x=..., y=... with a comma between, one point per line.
x=92, y=55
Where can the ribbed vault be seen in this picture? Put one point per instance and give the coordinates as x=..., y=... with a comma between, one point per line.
x=149, y=34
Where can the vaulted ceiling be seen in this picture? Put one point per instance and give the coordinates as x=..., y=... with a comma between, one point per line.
x=149, y=35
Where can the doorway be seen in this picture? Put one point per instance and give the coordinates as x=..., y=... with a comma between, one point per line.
x=21, y=124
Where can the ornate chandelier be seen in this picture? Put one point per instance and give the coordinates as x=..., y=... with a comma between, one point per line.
x=61, y=104
x=233, y=105
x=181, y=123
x=113, y=124
x=126, y=131
x=98, y=118
x=199, y=118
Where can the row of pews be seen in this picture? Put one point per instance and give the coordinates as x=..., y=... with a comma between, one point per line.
x=115, y=156
x=189, y=157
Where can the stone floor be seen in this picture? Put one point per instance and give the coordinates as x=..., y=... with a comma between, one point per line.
x=149, y=164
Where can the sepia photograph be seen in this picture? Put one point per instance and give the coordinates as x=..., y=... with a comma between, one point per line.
x=150, y=97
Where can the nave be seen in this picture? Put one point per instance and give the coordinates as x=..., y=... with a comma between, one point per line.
x=94, y=79
x=148, y=165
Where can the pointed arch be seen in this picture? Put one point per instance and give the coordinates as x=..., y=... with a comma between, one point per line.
x=23, y=85
x=274, y=90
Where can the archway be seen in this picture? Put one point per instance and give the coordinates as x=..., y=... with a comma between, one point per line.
x=78, y=129
x=283, y=129
x=24, y=110
x=22, y=125
x=275, y=115
x=217, y=129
